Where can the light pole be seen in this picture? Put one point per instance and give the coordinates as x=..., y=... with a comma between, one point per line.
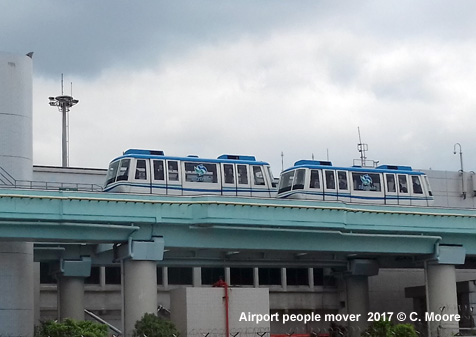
x=463, y=194
x=64, y=103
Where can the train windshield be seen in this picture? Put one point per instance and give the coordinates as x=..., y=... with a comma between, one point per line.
x=286, y=182
x=111, y=173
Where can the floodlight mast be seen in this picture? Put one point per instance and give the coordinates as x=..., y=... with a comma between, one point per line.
x=64, y=103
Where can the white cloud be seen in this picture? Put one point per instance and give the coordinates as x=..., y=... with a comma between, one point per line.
x=303, y=91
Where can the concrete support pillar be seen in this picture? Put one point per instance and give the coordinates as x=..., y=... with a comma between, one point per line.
x=36, y=293
x=16, y=289
x=139, y=291
x=442, y=298
x=357, y=302
x=70, y=297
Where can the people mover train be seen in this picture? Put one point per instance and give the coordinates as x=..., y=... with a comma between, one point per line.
x=385, y=184
x=149, y=171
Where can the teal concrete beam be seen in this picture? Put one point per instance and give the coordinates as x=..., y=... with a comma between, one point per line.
x=228, y=222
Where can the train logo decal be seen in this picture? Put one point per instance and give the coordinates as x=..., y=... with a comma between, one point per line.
x=200, y=170
x=366, y=180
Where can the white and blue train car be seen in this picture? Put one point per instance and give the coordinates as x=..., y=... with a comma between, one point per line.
x=150, y=171
x=385, y=184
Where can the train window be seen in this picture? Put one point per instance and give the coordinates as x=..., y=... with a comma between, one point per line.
x=242, y=175
x=416, y=183
x=402, y=183
x=111, y=173
x=123, y=173
x=172, y=167
x=286, y=181
x=342, y=177
x=330, y=180
x=391, y=183
x=299, y=179
x=158, y=170
x=229, y=173
x=258, y=175
x=141, y=173
x=314, y=179
x=201, y=172
x=366, y=181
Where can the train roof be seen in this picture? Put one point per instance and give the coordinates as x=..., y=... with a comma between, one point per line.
x=318, y=164
x=159, y=154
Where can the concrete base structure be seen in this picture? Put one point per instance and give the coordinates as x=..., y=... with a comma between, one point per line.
x=139, y=292
x=204, y=310
x=71, y=298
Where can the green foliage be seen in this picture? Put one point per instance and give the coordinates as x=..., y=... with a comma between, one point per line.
x=72, y=328
x=404, y=330
x=384, y=328
x=152, y=326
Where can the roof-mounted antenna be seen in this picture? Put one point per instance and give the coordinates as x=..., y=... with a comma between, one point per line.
x=361, y=147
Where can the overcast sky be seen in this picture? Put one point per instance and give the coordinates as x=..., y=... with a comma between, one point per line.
x=252, y=77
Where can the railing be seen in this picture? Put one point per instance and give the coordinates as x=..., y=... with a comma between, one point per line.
x=100, y=320
x=7, y=181
x=6, y=178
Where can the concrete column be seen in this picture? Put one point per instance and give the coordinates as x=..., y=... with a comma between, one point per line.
x=165, y=277
x=310, y=278
x=284, y=279
x=70, y=297
x=442, y=298
x=139, y=291
x=227, y=275
x=16, y=289
x=256, y=277
x=197, y=276
x=16, y=153
x=36, y=293
x=357, y=302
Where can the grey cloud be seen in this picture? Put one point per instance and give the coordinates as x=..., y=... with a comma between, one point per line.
x=84, y=37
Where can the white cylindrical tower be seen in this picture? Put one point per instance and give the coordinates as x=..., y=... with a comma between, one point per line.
x=16, y=154
x=16, y=149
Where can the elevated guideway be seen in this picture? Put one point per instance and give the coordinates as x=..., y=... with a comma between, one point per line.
x=232, y=223
x=79, y=229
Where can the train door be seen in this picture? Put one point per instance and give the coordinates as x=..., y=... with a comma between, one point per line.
x=259, y=186
x=330, y=190
x=299, y=182
x=173, y=178
x=418, y=197
x=159, y=185
x=229, y=183
x=403, y=190
x=243, y=180
x=391, y=192
x=315, y=185
x=141, y=181
x=343, y=193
